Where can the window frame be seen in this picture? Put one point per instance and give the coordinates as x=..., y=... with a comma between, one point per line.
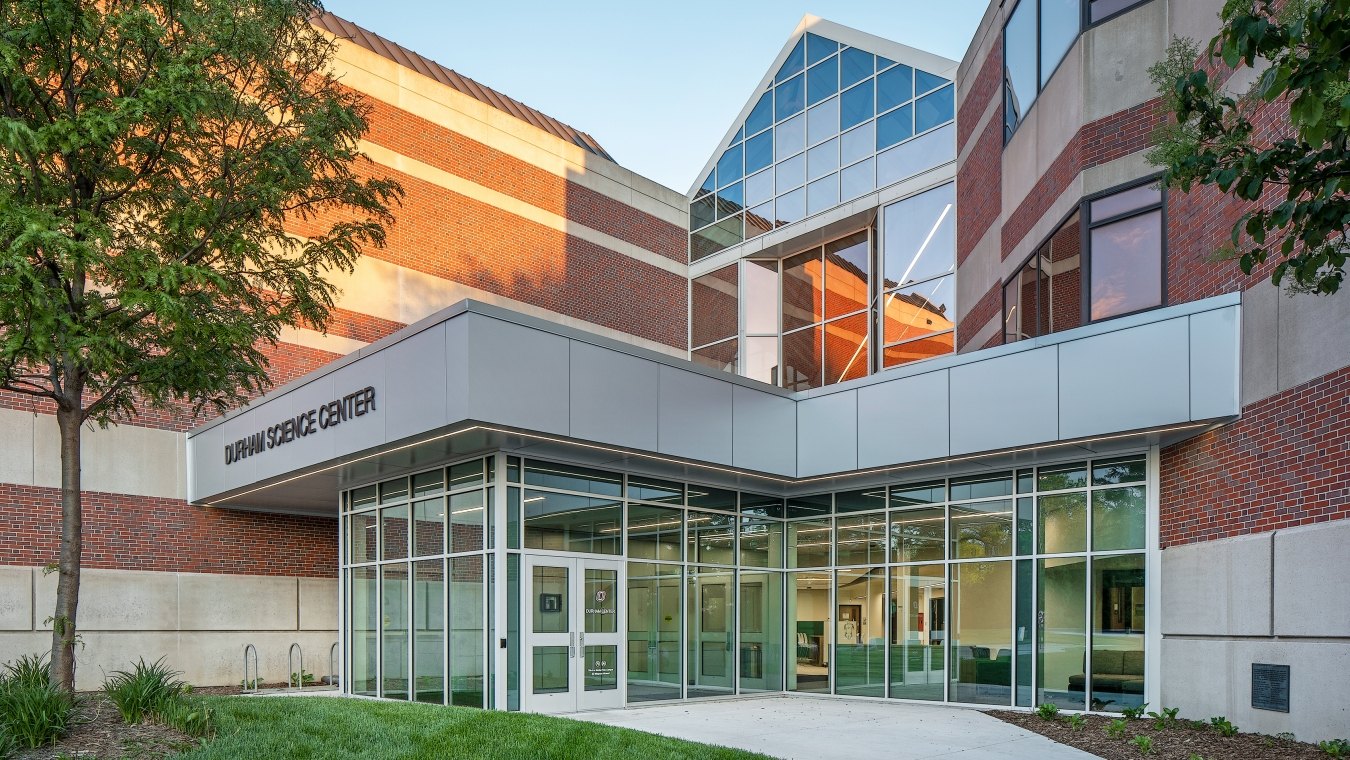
x=1085, y=23
x=1086, y=225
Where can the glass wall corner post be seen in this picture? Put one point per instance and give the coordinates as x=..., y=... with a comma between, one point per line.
x=344, y=590
x=497, y=651
x=1153, y=580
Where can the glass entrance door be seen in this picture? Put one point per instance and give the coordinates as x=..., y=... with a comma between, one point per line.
x=573, y=646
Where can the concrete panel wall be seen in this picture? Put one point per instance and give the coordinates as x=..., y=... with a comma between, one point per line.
x=113, y=457
x=199, y=622
x=1277, y=598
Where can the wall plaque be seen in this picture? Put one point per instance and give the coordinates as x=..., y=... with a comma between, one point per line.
x=1270, y=687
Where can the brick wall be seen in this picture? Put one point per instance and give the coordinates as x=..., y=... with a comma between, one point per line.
x=143, y=533
x=1286, y=462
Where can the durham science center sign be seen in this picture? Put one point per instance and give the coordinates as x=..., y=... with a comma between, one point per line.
x=303, y=425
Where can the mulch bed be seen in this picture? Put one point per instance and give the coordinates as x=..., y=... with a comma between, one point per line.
x=1178, y=742
x=102, y=734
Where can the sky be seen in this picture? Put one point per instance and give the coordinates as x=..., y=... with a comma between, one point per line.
x=657, y=84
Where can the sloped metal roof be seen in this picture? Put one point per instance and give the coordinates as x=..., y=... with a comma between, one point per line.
x=427, y=67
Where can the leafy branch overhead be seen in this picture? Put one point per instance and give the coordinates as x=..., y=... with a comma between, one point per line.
x=1299, y=52
x=152, y=155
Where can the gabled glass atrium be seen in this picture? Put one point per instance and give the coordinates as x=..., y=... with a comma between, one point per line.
x=833, y=124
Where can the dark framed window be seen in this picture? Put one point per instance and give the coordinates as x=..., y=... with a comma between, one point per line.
x=1036, y=37
x=1105, y=260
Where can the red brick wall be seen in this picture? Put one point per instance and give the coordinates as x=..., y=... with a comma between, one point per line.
x=987, y=87
x=142, y=533
x=1286, y=462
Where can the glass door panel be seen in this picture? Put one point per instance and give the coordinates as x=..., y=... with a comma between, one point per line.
x=860, y=655
x=654, y=623
x=761, y=660
x=810, y=630
x=712, y=618
x=600, y=642
x=918, y=630
x=981, y=625
x=551, y=650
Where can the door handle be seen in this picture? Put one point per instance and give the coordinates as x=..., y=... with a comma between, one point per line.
x=582, y=642
x=571, y=644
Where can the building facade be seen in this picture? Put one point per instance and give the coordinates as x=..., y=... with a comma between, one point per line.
x=933, y=394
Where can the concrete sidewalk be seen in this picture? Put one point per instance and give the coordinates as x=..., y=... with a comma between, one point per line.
x=812, y=728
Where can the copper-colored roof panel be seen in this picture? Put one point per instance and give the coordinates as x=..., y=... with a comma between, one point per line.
x=427, y=67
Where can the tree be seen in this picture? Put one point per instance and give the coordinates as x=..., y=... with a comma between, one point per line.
x=151, y=153
x=1302, y=50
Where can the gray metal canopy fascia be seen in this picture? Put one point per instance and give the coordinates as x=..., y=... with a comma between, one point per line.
x=476, y=378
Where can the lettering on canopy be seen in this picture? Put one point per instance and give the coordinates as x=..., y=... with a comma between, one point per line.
x=329, y=415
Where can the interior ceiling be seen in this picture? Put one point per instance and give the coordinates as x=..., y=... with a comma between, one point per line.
x=315, y=492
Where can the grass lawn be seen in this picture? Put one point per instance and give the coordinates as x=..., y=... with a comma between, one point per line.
x=316, y=727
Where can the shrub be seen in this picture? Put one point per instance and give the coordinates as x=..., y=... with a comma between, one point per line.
x=1165, y=719
x=191, y=716
x=1048, y=711
x=35, y=714
x=7, y=743
x=28, y=670
x=1224, y=726
x=1076, y=722
x=1335, y=747
x=1134, y=713
x=1144, y=743
x=142, y=689
x=1116, y=728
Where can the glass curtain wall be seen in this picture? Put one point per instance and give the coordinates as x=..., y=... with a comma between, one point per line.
x=1018, y=588
x=415, y=552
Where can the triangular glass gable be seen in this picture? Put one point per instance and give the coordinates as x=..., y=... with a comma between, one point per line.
x=834, y=124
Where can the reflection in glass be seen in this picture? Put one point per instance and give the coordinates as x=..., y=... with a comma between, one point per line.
x=1063, y=523
x=429, y=631
x=981, y=608
x=854, y=66
x=808, y=543
x=934, y=109
x=428, y=483
x=895, y=126
x=551, y=599
x=729, y=165
x=394, y=630
x=361, y=540
x=790, y=139
x=1124, y=202
x=761, y=631
x=711, y=498
x=795, y=62
x=761, y=116
x=758, y=188
x=467, y=521
x=713, y=312
x=643, y=488
x=719, y=356
x=913, y=156
x=861, y=500
x=846, y=348
x=1059, y=29
x=822, y=80
x=761, y=543
x=894, y=87
x=364, y=611
x=801, y=359
x=809, y=624
x=712, y=537
x=818, y=47
x=762, y=506
x=856, y=105
x=1118, y=518
x=790, y=207
x=654, y=623
x=1024, y=628
x=860, y=540
x=919, y=237
x=1118, y=632
x=918, y=630
x=918, y=534
x=789, y=98
x=925, y=82
x=758, y=153
x=761, y=359
x=1061, y=649
x=846, y=275
x=822, y=194
x=859, y=652
x=566, y=522
x=822, y=121
x=759, y=220
x=1106, y=472
x=982, y=529
x=654, y=532
x=710, y=240
x=822, y=160
x=1019, y=62
x=918, y=350
x=711, y=622
x=393, y=490
x=857, y=180
x=1127, y=265
x=601, y=598
x=919, y=310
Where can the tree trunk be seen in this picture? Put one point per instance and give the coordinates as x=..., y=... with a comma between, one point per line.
x=68, y=581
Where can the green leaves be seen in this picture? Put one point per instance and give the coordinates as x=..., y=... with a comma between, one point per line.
x=1290, y=135
x=161, y=151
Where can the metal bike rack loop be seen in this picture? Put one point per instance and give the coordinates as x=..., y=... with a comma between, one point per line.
x=297, y=677
x=251, y=686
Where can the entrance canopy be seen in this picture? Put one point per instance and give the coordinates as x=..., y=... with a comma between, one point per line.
x=475, y=377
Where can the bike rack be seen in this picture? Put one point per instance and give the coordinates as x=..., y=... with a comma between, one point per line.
x=296, y=676
x=256, y=679
x=332, y=665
